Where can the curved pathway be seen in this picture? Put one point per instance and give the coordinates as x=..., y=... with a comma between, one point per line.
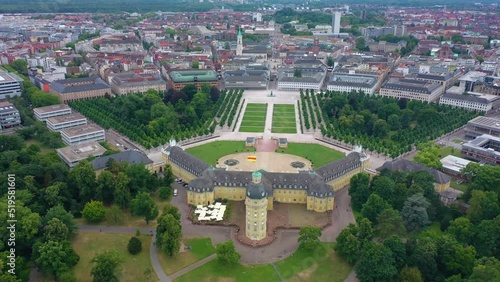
x=153, y=251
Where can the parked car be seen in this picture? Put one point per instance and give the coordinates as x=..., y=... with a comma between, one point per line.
x=175, y=192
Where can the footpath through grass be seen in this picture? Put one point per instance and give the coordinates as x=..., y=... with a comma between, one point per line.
x=319, y=155
x=136, y=268
x=321, y=264
x=213, y=151
x=200, y=249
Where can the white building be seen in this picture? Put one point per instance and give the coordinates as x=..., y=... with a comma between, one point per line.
x=351, y=82
x=66, y=121
x=336, y=22
x=43, y=113
x=297, y=83
x=472, y=101
x=83, y=134
x=10, y=85
x=9, y=115
x=412, y=89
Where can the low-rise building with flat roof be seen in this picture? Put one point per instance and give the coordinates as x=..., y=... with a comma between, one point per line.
x=412, y=89
x=72, y=155
x=471, y=101
x=483, y=149
x=453, y=165
x=68, y=121
x=83, y=134
x=11, y=85
x=343, y=82
x=80, y=88
x=178, y=79
x=43, y=113
x=482, y=125
x=9, y=115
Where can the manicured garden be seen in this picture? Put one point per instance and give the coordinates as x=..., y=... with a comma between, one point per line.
x=284, y=120
x=200, y=248
x=254, y=119
x=213, y=151
x=135, y=267
x=317, y=154
x=321, y=264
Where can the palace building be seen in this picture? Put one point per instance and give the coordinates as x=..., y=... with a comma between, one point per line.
x=260, y=189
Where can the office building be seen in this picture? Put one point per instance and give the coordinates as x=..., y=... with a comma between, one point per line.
x=411, y=89
x=11, y=85
x=336, y=22
x=43, y=113
x=180, y=78
x=128, y=83
x=483, y=149
x=83, y=134
x=80, y=88
x=72, y=155
x=343, y=82
x=482, y=125
x=472, y=101
x=67, y=121
x=9, y=115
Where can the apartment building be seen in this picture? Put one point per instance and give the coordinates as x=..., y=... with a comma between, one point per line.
x=411, y=89
x=43, y=113
x=68, y=121
x=9, y=115
x=83, y=134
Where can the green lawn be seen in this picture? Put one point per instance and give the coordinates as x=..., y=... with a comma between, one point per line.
x=433, y=230
x=284, y=119
x=321, y=264
x=254, y=118
x=252, y=123
x=317, y=154
x=134, y=268
x=445, y=151
x=284, y=130
x=251, y=129
x=213, y=151
x=462, y=186
x=200, y=249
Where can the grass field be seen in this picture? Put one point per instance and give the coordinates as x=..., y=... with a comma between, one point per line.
x=213, y=151
x=321, y=264
x=254, y=118
x=284, y=119
x=317, y=154
x=200, y=249
x=134, y=268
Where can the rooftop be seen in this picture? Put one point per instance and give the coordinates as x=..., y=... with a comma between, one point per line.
x=7, y=107
x=406, y=165
x=80, y=152
x=65, y=118
x=81, y=130
x=79, y=84
x=413, y=85
x=53, y=108
x=193, y=75
x=454, y=163
x=130, y=156
x=487, y=122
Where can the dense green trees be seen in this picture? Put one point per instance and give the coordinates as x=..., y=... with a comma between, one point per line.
x=106, y=267
x=153, y=118
x=428, y=155
x=169, y=234
x=348, y=243
x=226, y=253
x=94, y=211
x=356, y=118
x=309, y=237
x=144, y=205
x=376, y=263
x=134, y=246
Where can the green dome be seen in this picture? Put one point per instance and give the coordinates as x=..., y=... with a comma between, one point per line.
x=256, y=174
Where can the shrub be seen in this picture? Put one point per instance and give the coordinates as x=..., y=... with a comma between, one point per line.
x=134, y=246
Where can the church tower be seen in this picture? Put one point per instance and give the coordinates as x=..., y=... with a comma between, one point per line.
x=239, y=46
x=256, y=209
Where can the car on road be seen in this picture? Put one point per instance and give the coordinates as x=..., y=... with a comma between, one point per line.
x=175, y=192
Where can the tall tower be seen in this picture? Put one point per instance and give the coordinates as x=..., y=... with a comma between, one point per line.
x=336, y=22
x=239, y=46
x=256, y=208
